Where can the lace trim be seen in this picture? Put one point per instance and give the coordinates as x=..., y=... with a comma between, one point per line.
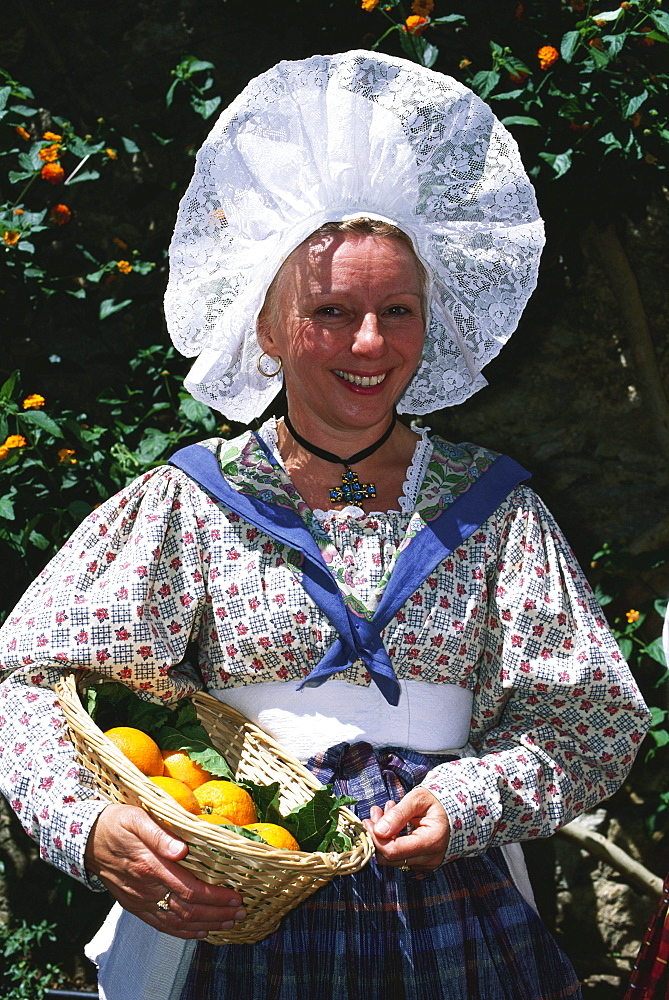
x=415, y=474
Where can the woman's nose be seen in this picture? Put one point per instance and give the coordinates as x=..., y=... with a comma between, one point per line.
x=368, y=340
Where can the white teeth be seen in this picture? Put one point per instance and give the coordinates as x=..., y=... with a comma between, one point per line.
x=361, y=379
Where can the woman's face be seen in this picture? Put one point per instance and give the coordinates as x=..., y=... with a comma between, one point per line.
x=347, y=323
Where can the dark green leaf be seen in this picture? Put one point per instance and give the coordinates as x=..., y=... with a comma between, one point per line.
x=84, y=175
x=266, y=800
x=205, y=108
x=43, y=420
x=313, y=824
x=129, y=145
x=569, y=45
x=560, y=162
x=634, y=103
x=625, y=646
x=661, y=606
x=449, y=19
x=519, y=120
x=7, y=387
x=661, y=21
x=484, y=83
x=110, y=306
x=38, y=540
x=655, y=650
x=7, y=509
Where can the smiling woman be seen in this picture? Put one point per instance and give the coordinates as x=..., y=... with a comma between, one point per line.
x=420, y=635
x=345, y=316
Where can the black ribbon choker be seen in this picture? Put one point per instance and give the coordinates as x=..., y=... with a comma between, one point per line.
x=351, y=489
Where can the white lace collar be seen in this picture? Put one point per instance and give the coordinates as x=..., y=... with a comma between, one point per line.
x=415, y=473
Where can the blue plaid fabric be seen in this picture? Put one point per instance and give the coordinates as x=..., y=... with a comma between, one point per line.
x=461, y=933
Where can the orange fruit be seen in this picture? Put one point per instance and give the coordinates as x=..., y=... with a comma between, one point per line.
x=213, y=818
x=138, y=748
x=180, y=792
x=226, y=799
x=178, y=765
x=274, y=835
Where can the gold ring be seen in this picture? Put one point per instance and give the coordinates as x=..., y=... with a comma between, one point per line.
x=164, y=903
x=404, y=867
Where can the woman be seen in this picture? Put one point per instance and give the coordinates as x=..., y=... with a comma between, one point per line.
x=401, y=613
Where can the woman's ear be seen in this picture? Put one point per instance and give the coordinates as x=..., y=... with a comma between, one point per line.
x=264, y=335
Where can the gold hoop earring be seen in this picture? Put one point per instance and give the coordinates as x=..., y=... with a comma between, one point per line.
x=269, y=374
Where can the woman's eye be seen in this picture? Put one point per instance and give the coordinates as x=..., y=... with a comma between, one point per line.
x=328, y=311
x=399, y=311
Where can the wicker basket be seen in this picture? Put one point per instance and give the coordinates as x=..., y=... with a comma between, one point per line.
x=271, y=881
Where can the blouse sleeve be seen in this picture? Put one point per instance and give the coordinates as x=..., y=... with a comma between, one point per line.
x=122, y=598
x=557, y=716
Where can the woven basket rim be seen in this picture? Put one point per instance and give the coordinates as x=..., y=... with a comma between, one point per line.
x=167, y=810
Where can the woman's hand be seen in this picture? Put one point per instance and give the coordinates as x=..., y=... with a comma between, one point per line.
x=424, y=847
x=135, y=859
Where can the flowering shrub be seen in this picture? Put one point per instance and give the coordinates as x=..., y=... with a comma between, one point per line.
x=32, y=212
x=638, y=633
x=583, y=88
x=58, y=464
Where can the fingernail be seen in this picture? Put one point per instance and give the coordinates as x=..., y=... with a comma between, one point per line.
x=201, y=934
x=227, y=925
x=240, y=914
x=382, y=828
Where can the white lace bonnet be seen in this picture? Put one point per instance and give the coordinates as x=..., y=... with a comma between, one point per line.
x=331, y=137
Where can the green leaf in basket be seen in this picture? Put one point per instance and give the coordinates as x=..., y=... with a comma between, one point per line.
x=242, y=831
x=189, y=739
x=266, y=800
x=314, y=823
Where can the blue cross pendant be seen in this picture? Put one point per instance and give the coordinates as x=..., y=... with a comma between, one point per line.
x=351, y=489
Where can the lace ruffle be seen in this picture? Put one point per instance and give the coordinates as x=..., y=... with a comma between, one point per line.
x=349, y=134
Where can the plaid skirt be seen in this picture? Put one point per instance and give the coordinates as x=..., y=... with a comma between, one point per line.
x=463, y=932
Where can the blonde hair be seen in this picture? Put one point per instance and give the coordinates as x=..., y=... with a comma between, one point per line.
x=361, y=226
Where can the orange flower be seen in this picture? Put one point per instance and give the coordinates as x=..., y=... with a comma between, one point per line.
x=52, y=172
x=369, y=4
x=124, y=266
x=19, y=211
x=4, y=451
x=415, y=25
x=33, y=402
x=112, y=154
x=464, y=63
x=519, y=75
x=636, y=119
x=65, y=456
x=52, y=137
x=422, y=7
x=49, y=154
x=119, y=243
x=15, y=441
x=596, y=43
x=547, y=56
x=22, y=132
x=650, y=159
x=60, y=214
x=632, y=616
x=11, y=237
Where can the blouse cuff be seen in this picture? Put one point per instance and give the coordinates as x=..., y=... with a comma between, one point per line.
x=467, y=802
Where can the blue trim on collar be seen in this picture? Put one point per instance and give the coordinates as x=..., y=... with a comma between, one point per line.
x=359, y=638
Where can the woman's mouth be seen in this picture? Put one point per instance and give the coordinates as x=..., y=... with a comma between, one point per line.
x=361, y=380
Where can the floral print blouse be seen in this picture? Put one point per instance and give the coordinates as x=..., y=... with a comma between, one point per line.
x=557, y=717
